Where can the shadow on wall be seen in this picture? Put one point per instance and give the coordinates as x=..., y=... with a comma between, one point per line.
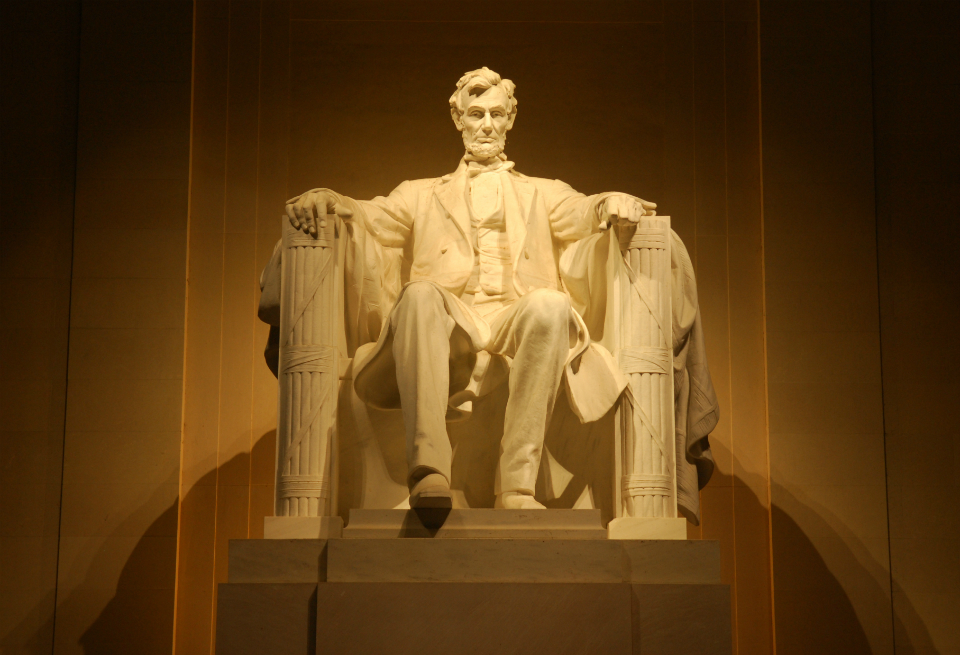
x=814, y=613
x=137, y=614
x=828, y=622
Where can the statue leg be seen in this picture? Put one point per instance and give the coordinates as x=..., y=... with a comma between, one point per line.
x=537, y=333
x=421, y=350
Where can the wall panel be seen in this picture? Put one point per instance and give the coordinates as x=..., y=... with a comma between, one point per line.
x=828, y=484
x=118, y=524
x=916, y=68
x=38, y=95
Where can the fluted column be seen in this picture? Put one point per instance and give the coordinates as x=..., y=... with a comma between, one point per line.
x=647, y=470
x=308, y=375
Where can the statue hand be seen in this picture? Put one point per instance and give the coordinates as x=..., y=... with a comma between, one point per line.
x=622, y=207
x=308, y=210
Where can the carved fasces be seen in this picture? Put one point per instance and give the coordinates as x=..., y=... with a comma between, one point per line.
x=646, y=426
x=308, y=373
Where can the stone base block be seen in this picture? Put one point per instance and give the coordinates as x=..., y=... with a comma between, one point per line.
x=424, y=596
x=473, y=619
x=277, y=560
x=647, y=528
x=302, y=527
x=474, y=560
x=266, y=619
x=477, y=524
x=468, y=619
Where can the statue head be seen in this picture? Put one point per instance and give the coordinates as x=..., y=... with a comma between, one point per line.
x=483, y=109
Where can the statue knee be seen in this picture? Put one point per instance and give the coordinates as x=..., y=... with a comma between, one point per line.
x=421, y=295
x=549, y=309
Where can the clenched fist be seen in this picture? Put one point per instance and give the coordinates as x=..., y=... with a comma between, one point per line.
x=307, y=211
x=622, y=207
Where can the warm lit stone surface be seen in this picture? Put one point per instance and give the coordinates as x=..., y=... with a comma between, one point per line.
x=635, y=527
x=302, y=527
x=423, y=619
x=466, y=618
x=473, y=596
x=277, y=560
x=266, y=618
x=478, y=524
x=669, y=619
x=671, y=562
x=474, y=560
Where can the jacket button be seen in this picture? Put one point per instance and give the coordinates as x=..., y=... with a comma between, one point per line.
x=443, y=251
x=526, y=254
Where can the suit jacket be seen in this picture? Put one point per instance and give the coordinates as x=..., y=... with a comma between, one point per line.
x=430, y=221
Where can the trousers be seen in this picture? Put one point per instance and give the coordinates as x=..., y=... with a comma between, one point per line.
x=536, y=331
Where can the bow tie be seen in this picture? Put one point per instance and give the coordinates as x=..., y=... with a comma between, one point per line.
x=499, y=165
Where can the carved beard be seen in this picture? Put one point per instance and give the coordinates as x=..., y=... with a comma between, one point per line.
x=486, y=150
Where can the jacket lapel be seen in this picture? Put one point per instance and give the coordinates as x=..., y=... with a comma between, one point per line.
x=518, y=198
x=452, y=195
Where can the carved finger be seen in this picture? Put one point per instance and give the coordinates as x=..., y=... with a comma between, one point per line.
x=306, y=219
x=292, y=216
x=330, y=203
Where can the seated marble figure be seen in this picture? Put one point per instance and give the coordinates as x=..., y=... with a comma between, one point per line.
x=500, y=278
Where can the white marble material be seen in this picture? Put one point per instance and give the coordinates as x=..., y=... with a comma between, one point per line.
x=277, y=560
x=473, y=560
x=456, y=287
x=302, y=527
x=491, y=560
x=308, y=374
x=478, y=524
x=639, y=527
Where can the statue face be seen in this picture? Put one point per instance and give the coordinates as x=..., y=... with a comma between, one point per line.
x=486, y=122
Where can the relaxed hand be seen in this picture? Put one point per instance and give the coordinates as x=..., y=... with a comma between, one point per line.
x=622, y=207
x=307, y=211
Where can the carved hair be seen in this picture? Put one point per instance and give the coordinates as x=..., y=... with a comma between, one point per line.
x=476, y=82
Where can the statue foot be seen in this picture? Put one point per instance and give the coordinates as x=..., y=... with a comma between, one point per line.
x=431, y=492
x=517, y=500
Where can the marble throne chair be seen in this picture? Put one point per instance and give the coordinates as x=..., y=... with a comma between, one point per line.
x=342, y=462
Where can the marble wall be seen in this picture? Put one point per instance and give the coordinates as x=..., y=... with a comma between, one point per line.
x=95, y=181
x=118, y=522
x=917, y=102
x=38, y=95
x=827, y=471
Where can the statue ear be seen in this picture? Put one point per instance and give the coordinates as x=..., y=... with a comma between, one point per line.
x=455, y=115
x=513, y=117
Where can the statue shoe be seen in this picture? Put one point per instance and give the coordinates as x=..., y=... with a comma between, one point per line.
x=517, y=500
x=431, y=492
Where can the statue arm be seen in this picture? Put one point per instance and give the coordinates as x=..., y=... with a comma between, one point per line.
x=573, y=215
x=389, y=220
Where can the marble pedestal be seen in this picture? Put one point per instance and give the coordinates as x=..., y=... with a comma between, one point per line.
x=453, y=594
